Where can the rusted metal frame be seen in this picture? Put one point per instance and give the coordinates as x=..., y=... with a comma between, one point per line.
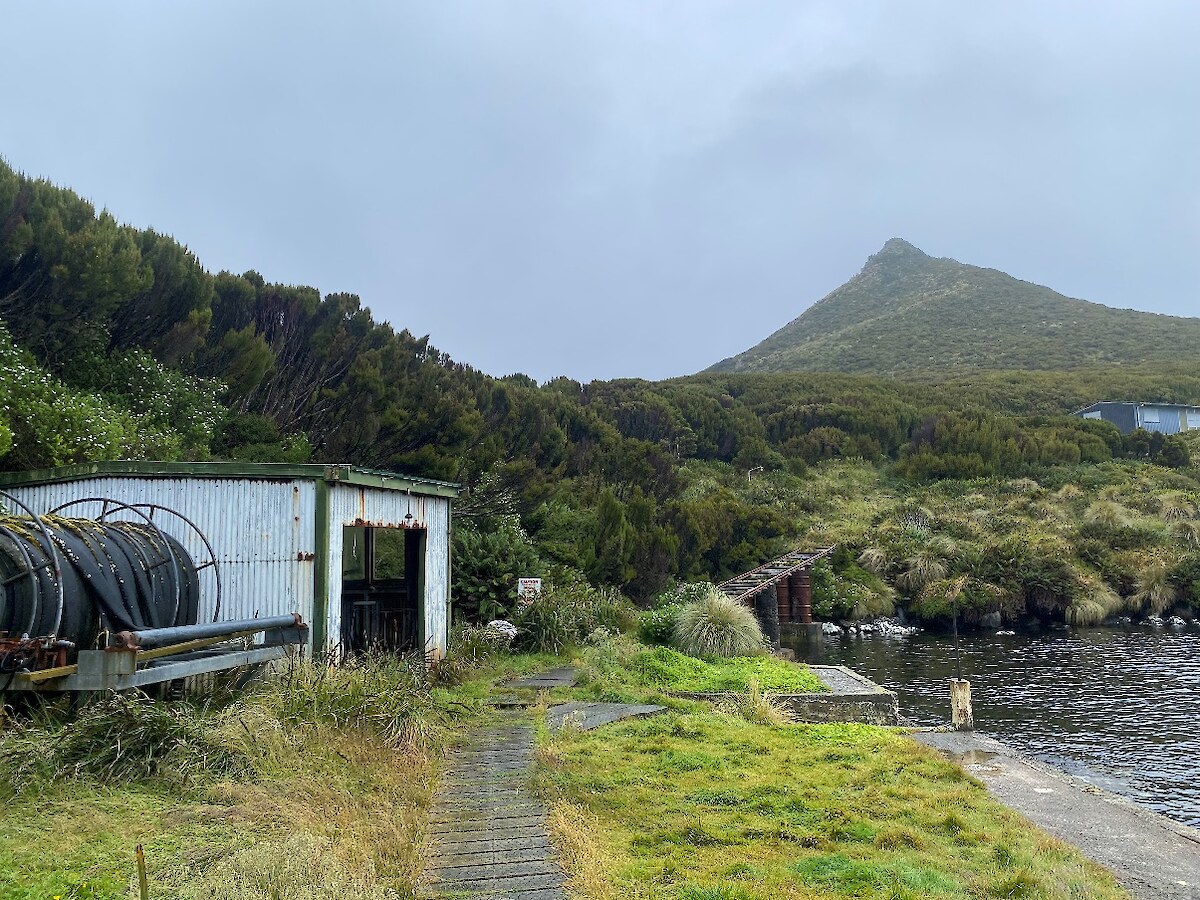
x=153, y=674
x=143, y=656
x=266, y=471
x=791, y=562
x=42, y=675
x=746, y=594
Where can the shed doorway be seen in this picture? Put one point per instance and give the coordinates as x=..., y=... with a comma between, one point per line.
x=383, y=581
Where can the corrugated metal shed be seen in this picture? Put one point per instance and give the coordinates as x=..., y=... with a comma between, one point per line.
x=276, y=530
x=1165, y=418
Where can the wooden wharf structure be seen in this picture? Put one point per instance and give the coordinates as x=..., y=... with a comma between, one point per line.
x=789, y=575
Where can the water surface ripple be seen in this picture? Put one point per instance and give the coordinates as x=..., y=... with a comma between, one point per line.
x=1119, y=708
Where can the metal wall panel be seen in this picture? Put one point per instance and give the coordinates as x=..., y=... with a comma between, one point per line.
x=372, y=507
x=262, y=532
x=1167, y=416
x=1123, y=415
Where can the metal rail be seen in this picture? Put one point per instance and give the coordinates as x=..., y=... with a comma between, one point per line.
x=743, y=587
x=160, y=637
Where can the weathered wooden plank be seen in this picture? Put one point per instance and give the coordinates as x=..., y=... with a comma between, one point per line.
x=487, y=845
x=482, y=871
x=506, y=767
x=485, y=813
x=488, y=791
x=512, y=885
x=486, y=832
x=451, y=855
x=551, y=893
x=485, y=777
x=487, y=823
x=564, y=677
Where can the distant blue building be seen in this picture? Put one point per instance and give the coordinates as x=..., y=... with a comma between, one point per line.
x=1165, y=418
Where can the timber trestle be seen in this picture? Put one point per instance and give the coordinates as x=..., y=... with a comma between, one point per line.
x=789, y=575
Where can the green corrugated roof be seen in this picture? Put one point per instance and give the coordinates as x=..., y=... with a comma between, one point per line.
x=341, y=473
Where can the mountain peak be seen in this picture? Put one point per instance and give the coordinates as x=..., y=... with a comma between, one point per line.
x=896, y=253
x=899, y=245
x=910, y=312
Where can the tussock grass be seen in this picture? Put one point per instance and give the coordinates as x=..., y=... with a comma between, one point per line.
x=875, y=560
x=757, y=707
x=922, y=569
x=311, y=785
x=1108, y=513
x=1094, y=605
x=384, y=694
x=1187, y=533
x=1155, y=591
x=116, y=739
x=714, y=625
x=301, y=867
x=575, y=831
x=1175, y=507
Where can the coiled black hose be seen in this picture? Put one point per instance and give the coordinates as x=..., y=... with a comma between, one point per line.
x=116, y=576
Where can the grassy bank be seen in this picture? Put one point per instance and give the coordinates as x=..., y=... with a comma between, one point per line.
x=704, y=804
x=313, y=785
x=1080, y=545
x=310, y=784
x=620, y=666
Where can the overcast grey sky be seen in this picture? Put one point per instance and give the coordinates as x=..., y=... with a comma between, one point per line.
x=604, y=189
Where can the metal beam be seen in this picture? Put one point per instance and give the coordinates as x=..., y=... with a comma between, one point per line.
x=113, y=673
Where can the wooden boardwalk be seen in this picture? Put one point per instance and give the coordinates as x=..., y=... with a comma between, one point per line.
x=487, y=834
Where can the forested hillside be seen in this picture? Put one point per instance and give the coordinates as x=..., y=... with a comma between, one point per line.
x=909, y=312
x=116, y=342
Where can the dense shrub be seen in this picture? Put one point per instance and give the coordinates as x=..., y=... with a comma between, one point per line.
x=657, y=626
x=1186, y=578
x=487, y=564
x=568, y=610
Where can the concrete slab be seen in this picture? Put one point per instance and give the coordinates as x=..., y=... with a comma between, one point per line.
x=551, y=678
x=587, y=716
x=851, y=698
x=1153, y=857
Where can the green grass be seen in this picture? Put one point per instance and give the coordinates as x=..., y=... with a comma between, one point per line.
x=620, y=669
x=670, y=670
x=694, y=804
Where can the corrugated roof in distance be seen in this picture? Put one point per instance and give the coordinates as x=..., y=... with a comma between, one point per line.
x=341, y=473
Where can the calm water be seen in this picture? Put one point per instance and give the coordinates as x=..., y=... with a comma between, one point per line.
x=1119, y=708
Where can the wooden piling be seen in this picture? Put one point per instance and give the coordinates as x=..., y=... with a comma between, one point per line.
x=962, y=718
